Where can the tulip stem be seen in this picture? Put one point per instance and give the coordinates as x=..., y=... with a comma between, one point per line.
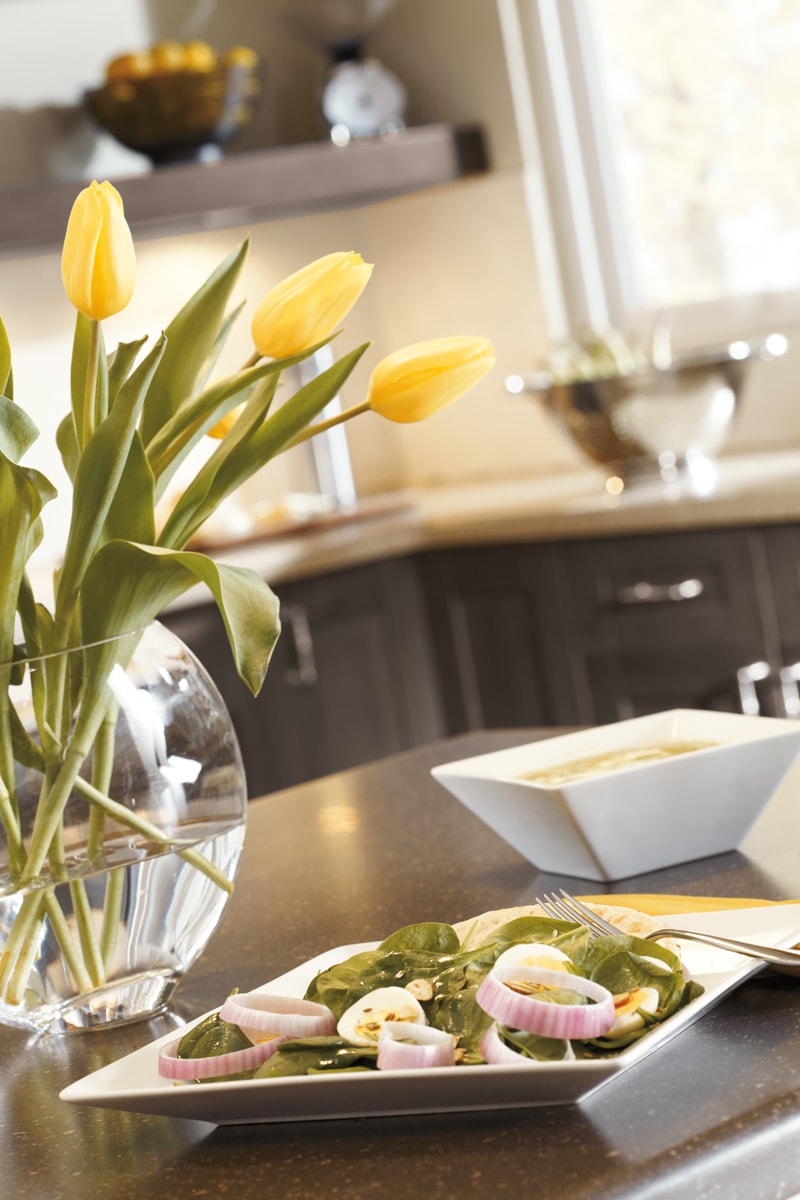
x=253, y=361
x=329, y=423
x=90, y=389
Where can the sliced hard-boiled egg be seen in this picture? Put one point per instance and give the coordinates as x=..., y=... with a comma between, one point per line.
x=628, y=1009
x=361, y=1022
x=535, y=954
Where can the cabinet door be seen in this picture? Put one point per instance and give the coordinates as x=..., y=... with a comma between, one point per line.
x=783, y=550
x=497, y=626
x=350, y=680
x=674, y=620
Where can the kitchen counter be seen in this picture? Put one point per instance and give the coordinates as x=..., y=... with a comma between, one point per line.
x=759, y=489
x=715, y=1112
x=748, y=490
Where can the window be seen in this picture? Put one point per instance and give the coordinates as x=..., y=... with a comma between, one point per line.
x=661, y=148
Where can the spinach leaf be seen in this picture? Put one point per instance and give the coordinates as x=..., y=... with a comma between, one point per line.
x=210, y=1038
x=598, y=949
x=429, y=935
x=342, y=985
x=317, y=1055
x=532, y=1046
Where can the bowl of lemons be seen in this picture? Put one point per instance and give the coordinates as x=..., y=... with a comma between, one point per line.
x=176, y=101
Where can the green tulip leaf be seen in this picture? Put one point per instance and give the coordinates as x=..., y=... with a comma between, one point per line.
x=36, y=620
x=97, y=479
x=248, y=448
x=17, y=430
x=132, y=511
x=181, y=433
x=67, y=442
x=23, y=494
x=178, y=437
x=120, y=365
x=218, y=345
x=127, y=585
x=6, y=374
x=189, y=334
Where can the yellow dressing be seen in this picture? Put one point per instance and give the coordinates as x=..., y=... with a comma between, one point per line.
x=611, y=760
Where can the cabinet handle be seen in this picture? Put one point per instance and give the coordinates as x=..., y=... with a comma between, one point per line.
x=657, y=593
x=304, y=673
x=789, y=677
x=746, y=679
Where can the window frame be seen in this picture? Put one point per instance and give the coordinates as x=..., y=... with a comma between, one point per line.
x=573, y=196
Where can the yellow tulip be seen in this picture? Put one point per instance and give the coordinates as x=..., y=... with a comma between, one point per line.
x=306, y=308
x=416, y=382
x=98, y=263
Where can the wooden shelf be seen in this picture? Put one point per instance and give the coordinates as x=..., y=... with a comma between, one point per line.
x=265, y=185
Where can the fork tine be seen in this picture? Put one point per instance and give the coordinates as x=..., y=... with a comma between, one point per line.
x=560, y=908
x=586, y=915
x=550, y=904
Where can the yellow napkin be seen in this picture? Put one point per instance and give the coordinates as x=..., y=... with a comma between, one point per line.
x=657, y=906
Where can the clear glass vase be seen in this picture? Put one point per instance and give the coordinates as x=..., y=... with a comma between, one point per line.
x=123, y=803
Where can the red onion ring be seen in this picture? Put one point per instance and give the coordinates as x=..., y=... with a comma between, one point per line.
x=172, y=1067
x=264, y=1013
x=494, y=1050
x=526, y=1012
x=405, y=1045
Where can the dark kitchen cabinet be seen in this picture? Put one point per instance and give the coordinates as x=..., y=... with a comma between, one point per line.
x=351, y=679
x=782, y=544
x=674, y=620
x=501, y=636
x=599, y=630
x=395, y=654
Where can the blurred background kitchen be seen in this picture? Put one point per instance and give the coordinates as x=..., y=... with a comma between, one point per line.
x=680, y=192
x=637, y=178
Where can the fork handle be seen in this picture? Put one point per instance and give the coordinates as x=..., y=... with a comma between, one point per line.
x=778, y=958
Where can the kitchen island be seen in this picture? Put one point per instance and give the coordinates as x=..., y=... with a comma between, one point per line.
x=351, y=857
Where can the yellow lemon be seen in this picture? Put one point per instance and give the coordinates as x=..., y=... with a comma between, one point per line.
x=129, y=66
x=199, y=56
x=168, y=56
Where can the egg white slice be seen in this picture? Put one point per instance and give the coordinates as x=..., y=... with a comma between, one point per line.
x=361, y=1023
x=627, y=1010
x=535, y=954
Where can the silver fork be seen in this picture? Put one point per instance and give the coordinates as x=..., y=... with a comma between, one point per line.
x=565, y=907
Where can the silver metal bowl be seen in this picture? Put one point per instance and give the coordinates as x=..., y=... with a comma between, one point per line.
x=658, y=419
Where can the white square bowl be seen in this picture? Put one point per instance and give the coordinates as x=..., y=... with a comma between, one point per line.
x=638, y=818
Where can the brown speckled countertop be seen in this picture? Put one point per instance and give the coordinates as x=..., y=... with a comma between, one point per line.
x=714, y=1113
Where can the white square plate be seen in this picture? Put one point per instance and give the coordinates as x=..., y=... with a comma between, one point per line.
x=133, y=1083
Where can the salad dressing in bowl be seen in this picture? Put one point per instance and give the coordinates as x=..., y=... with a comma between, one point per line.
x=610, y=760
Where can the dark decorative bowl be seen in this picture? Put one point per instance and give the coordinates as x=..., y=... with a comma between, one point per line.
x=174, y=117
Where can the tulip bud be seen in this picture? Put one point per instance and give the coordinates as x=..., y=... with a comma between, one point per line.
x=98, y=263
x=416, y=382
x=306, y=308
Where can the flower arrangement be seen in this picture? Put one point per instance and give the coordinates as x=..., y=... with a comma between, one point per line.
x=136, y=414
